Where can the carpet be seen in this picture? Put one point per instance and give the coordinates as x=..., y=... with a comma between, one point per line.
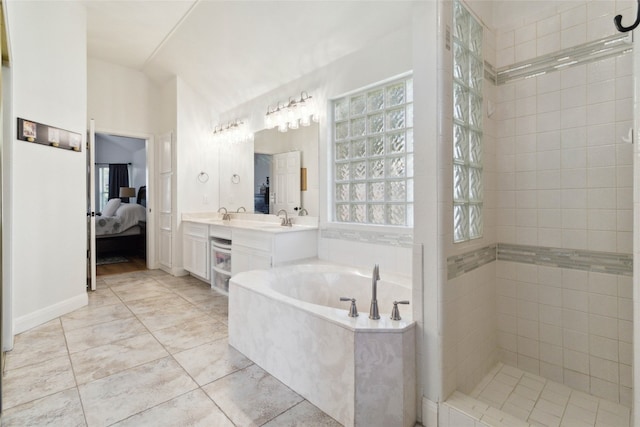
x=111, y=260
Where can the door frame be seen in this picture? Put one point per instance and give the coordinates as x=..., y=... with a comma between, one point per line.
x=150, y=149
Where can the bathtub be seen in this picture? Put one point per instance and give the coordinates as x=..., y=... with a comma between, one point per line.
x=290, y=321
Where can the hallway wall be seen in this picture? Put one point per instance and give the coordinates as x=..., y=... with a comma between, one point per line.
x=48, y=185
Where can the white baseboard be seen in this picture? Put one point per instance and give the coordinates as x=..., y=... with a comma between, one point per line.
x=45, y=314
x=429, y=413
x=178, y=272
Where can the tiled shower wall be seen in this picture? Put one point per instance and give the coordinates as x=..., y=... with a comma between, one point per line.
x=565, y=181
x=574, y=327
x=565, y=175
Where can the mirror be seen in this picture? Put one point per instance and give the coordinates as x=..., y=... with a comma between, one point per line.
x=270, y=142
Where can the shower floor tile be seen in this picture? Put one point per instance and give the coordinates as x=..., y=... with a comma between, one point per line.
x=537, y=402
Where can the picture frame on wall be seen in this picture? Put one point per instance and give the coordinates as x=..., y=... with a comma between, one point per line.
x=31, y=131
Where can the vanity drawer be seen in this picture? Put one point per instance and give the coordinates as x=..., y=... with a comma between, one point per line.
x=196, y=230
x=253, y=239
x=221, y=232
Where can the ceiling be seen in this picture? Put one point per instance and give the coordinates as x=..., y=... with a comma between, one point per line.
x=233, y=51
x=125, y=143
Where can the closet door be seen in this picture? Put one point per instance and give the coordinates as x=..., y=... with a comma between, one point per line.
x=165, y=231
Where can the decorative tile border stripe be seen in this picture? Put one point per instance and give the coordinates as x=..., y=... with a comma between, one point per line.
x=375, y=237
x=457, y=265
x=576, y=259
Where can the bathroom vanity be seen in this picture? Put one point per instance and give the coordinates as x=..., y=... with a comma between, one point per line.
x=261, y=243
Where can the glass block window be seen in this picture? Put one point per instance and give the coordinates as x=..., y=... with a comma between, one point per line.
x=468, y=75
x=373, y=155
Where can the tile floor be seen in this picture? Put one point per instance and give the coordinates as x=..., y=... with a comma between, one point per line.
x=538, y=401
x=150, y=349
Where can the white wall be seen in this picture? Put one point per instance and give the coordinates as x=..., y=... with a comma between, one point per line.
x=427, y=40
x=48, y=185
x=121, y=100
x=195, y=153
x=7, y=161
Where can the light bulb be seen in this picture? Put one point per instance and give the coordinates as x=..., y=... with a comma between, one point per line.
x=293, y=123
x=303, y=109
x=268, y=121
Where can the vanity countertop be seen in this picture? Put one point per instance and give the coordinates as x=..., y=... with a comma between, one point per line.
x=264, y=223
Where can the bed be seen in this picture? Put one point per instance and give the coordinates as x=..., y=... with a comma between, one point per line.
x=121, y=228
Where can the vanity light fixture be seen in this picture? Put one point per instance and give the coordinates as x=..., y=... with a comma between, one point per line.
x=293, y=114
x=234, y=131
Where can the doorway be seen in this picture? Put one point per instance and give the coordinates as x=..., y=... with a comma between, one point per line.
x=121, y=203
x=261, y=174
x=277, y=182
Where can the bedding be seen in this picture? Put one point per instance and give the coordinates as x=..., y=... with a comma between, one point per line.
x=126, y=216
x=111, y=207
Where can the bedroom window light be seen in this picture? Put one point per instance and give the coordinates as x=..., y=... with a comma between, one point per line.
x=468, y=76
x=102, y=192
x=372, y=145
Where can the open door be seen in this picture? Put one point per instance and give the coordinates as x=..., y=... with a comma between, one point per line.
x=91, y=207
x=286, y=182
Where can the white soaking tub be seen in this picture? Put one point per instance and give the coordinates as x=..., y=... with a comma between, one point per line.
x=290, y=321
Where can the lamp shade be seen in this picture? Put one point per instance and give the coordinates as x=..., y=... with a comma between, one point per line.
x=127, y=192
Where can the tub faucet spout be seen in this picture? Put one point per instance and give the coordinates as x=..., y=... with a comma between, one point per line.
x=373, y=311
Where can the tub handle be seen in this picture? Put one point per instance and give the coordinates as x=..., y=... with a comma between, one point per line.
x=353, y=311
x=395, y=313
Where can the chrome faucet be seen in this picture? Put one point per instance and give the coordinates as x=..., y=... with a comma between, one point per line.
x=225, y=215
x=241, y=207
x=373, y=311
x=286, y=221
x=302, y=210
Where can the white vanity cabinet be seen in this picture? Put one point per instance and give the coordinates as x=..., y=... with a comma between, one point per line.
x=254, y=249
x=195, y=249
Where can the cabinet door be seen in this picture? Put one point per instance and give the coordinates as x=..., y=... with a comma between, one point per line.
x=188, y=255
x=195, y=255
x=245, y=259
x=200, y=255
